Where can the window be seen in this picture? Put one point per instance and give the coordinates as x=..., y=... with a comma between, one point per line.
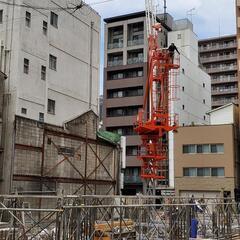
x=183, y=107
x=132, y=151
x=26, y=66
x=203, y=172
x=179, y=36
x=189, y=148
x=204, y=101
x=217, y=172
x=41, y=117
x=203, y=148
x=189, y=172
x=217, y=148
x=204, y=85
x=183, y=71
x=123, y=111
x=43, y=72
x=54, y=19
x=183, y=89
x=28, y=19
x=51, y=106
x=53, y=62
x=24, y=111
x=1, y=16
x=45, y=26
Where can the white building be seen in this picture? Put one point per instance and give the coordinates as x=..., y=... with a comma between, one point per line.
x=51, y=59
x=50, y=55
x=195, y=85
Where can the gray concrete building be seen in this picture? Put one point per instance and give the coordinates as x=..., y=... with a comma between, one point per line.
x=218, y=57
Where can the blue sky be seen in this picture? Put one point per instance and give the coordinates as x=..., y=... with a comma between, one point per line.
x=210, y=17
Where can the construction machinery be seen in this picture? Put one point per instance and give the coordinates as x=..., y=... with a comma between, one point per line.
x=156, y=119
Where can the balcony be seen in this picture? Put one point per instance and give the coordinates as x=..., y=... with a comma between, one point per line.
x=132, y=179
x=220, y=69
x=135, y=42
x=115, y=63
x=224, y=80
x=218, y=47
x=219, y=58
x=223, y=102
x=115, y=45
x=222, y=91
x=135, y=60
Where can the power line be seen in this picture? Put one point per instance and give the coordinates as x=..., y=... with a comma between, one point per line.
x=75, y=7
x=37, y=7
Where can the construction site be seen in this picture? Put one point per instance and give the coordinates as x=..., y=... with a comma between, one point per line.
x=73, y=170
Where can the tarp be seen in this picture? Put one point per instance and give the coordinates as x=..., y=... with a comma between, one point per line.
x=113, y=138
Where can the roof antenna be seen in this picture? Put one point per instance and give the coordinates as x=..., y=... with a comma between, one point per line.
x=165, y=11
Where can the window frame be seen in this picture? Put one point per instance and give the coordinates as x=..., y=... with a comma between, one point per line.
x=26, y=64
x=24, y=111
x=1, y=16
x=28, y=17
x=52, y=62
x=43, y=72
x=41, y=118
x=45, y=27
x=52, y=105
x=54, y=19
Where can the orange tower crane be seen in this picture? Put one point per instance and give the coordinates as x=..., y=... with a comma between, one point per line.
x=155, y=120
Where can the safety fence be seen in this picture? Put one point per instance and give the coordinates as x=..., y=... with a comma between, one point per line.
x=114, y=217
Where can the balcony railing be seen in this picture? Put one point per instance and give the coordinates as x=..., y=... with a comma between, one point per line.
x=223, y=102
x=132, y=179
x=224, y=91
x=224, y=80
x=135, y=42
x=218, y=46
x=219, y=58
x=135, y=60
x=115, y=63
x=115, y=45
x=221, y=69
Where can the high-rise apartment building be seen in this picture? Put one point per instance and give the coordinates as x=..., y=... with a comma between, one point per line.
x=125, y=76
x=218, y=57
x=51, y=58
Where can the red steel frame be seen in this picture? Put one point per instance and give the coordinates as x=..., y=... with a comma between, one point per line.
x=154, y=121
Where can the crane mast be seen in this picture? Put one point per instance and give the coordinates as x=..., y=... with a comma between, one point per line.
x=155, y=120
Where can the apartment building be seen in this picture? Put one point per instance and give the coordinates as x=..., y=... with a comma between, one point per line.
x=125, y=77
x=51, y=58
x=206, y=156
x=238, y=37
x=218, y=57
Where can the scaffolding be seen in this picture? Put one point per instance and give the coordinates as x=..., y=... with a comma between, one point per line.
x=116, y=217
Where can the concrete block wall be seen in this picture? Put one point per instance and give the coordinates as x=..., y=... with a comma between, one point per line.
x=51, y=158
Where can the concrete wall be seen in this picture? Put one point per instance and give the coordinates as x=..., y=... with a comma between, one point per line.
x=224, y=115
x=70, y=85
x=205, y=135
x=49, y=158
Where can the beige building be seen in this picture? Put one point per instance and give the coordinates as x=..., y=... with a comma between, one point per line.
x=206, y=161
